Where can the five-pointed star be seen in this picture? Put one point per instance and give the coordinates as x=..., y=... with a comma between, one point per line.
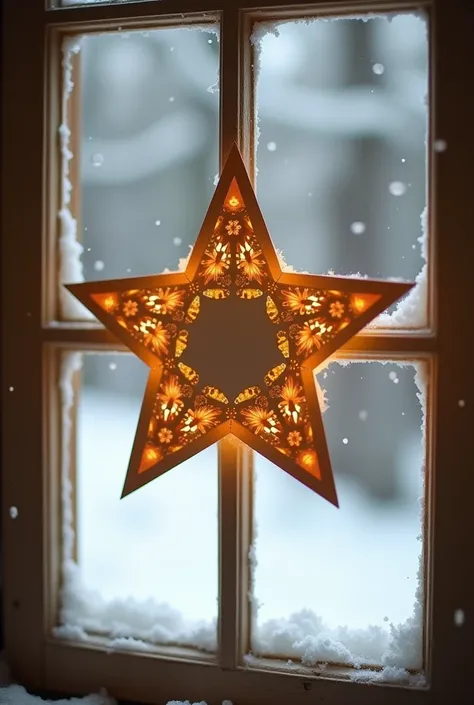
x=233, y=343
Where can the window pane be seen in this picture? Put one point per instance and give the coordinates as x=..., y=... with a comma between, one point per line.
x=342, y=585
x=134, y=577
x=144, y=114
x=342, y=116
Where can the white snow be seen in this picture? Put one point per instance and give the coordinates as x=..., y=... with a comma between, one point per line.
x=70, y=249
x=365, y=635
x=397, y=188
x=440, y=145
x=101, y=595
x=126, y=623
x=412, y=310
x=124, y=564
x=357, y=227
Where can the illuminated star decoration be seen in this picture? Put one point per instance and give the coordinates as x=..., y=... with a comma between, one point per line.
x=233, y=343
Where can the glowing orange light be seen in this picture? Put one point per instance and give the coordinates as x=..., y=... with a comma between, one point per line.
x=358, y=304
x=108, y=301
x=361, y=302
x=151, y=456
x=306, y=318
x=308, y=460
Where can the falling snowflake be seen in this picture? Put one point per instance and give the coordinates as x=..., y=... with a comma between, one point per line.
x=271, y=146
x=397, y=188
x=99, y=265
x=378, y=69
x=358, y=227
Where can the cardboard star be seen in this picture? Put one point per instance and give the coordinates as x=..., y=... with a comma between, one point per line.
x=233, y=343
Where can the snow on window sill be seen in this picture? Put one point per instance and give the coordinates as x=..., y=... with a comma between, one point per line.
x=384, y=675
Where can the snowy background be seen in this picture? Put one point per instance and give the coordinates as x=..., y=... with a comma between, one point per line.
x=342, y=184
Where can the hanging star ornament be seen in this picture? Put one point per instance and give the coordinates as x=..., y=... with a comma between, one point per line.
x=233, y=343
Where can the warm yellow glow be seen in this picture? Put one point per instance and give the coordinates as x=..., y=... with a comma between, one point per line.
x=171, y=397
x=283, y=343
x=201, y=419
x=274, y=373
x=272, y=311
x=181, y=342
x=165, y=300
x=233, y=227
x=154, y=335
x=308, y=460
x=193, y=310
x=250, y=262
x=249, y=293
x=361, y=302
x=215, y=394
x=261, y=420
x=303, y=320
x=109, y=302
x=190, y=374
x=292, y=397
x=358, y=304
x=217, y=294
x=216, y=260
x=301, y=301
x=247, y=394
x=151, y=456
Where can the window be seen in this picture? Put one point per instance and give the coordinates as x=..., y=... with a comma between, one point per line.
x=226, y=579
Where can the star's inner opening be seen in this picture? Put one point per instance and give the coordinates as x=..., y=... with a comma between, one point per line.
x=232, y=344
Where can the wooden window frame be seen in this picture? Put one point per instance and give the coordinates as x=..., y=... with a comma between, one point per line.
x=33, y=337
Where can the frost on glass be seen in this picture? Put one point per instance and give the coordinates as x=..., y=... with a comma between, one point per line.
x=345, y=586
x=141, y=571
x=142, y=107
x=341, y=156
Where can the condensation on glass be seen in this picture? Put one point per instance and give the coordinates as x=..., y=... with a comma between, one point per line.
x=342, y=108
x=129, y=569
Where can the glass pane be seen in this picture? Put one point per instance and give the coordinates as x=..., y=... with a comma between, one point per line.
x=143, y=112
x=342, y=163
x=134, y=575
x=342, y=585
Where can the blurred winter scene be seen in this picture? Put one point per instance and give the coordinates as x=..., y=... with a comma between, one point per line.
x=341, y=158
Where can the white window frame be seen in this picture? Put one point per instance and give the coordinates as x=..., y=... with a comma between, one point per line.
x=33, y=339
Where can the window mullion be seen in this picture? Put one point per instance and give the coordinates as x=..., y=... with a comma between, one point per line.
x=235, y=459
